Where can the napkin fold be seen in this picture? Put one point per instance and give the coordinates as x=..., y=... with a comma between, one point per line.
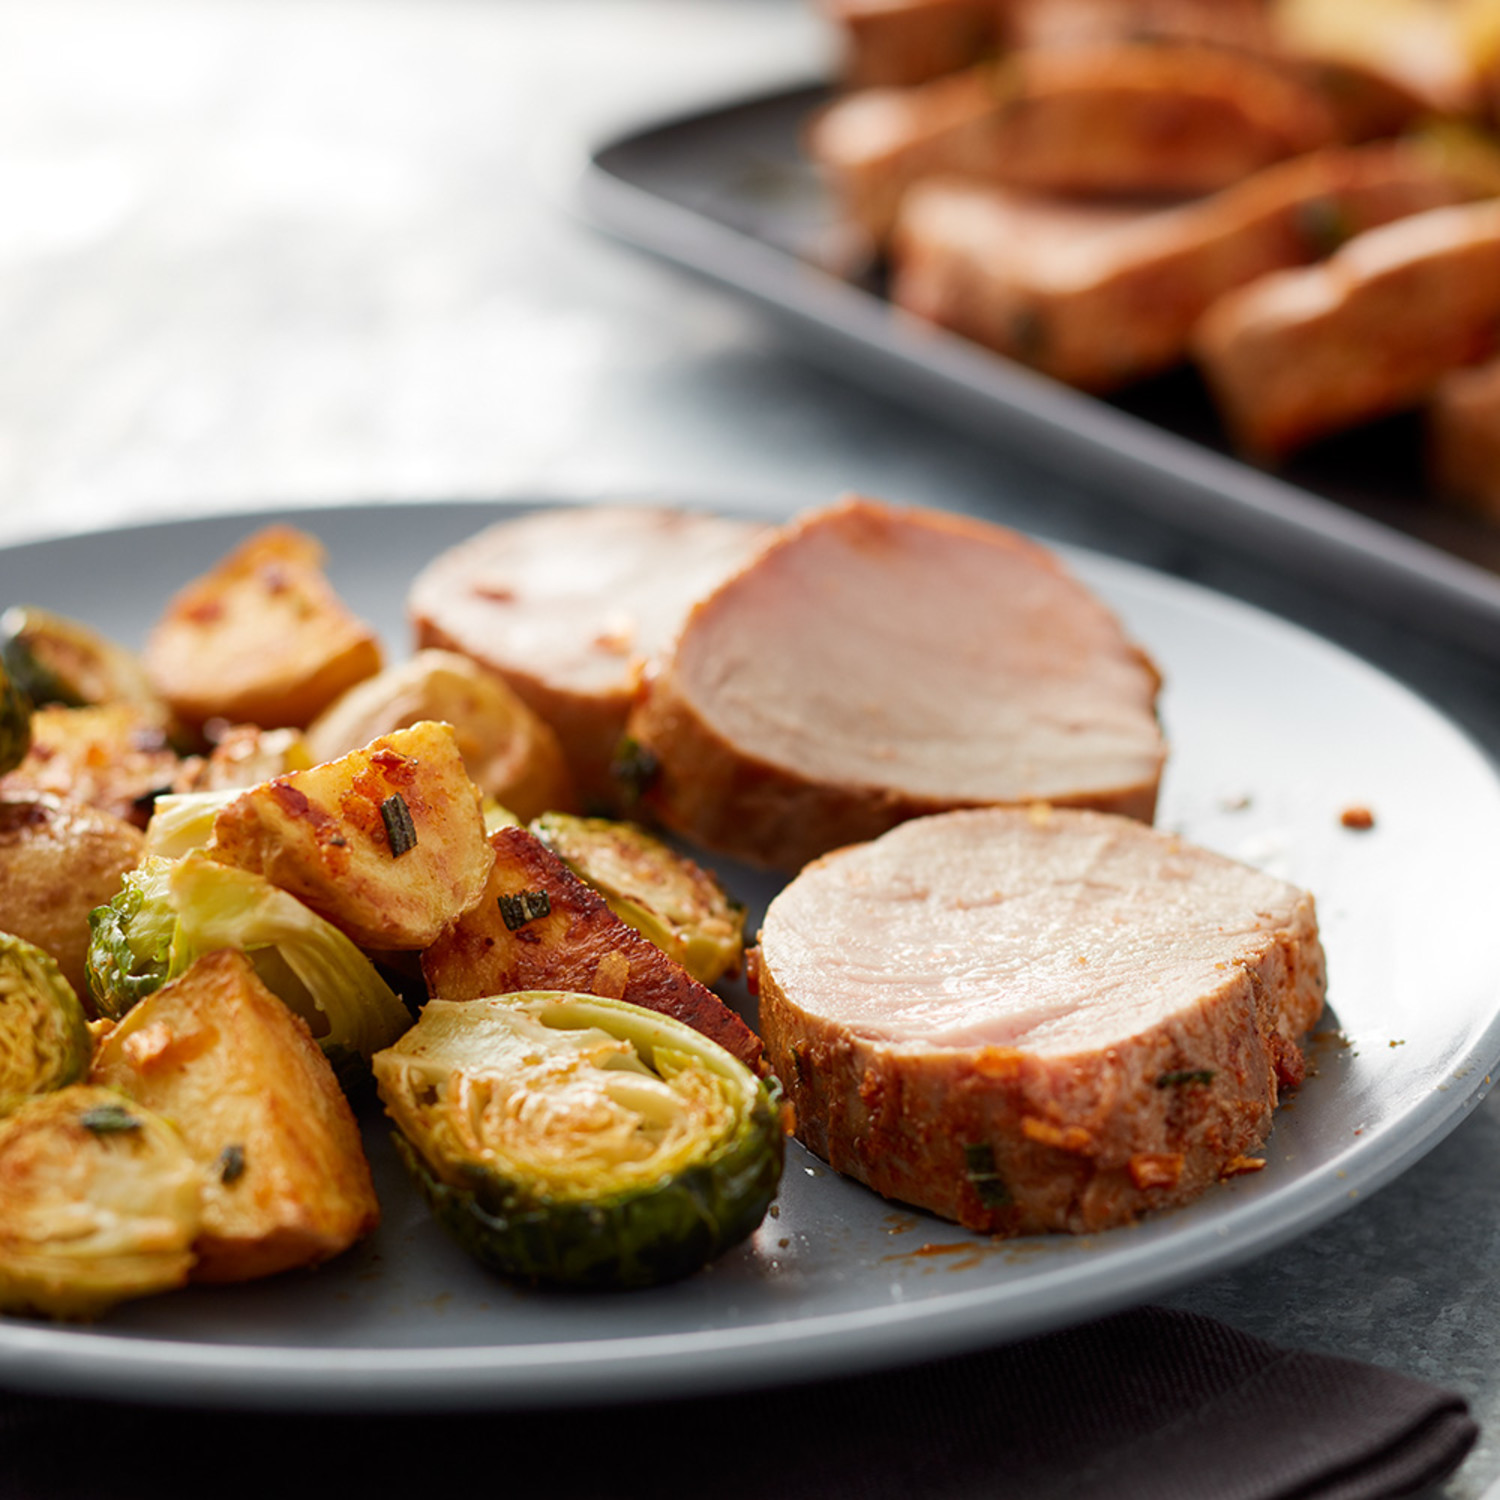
x=1149, y=1403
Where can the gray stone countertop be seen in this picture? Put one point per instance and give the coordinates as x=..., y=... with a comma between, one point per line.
x=261, y=254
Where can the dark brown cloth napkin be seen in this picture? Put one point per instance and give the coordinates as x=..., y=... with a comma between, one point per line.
x=1150, y=1403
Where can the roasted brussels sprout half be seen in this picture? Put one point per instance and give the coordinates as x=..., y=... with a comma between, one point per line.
x=15, y=722
x=99, y=1201
x=573, y=1141
x=244, y=755
x=665, y=897
x=57, y=660
x=44, y=1035
x=168, y=913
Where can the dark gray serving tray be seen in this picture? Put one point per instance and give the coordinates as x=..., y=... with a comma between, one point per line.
x=727, y=194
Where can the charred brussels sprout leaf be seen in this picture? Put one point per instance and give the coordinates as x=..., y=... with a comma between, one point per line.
x=44, y=1035
x=573, y=1141
x=665, y=897
x=57, y=660
x=130, y=940
x=171, y=912
x=91, y=1216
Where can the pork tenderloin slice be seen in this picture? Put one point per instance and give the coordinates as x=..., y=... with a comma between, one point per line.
x=1158, y=119
x=875, y=663
x=900, y=42
x=569, y=606
x=1100, y=294
x=1463, y=435
x=1300, y=354
x=1036, y=1020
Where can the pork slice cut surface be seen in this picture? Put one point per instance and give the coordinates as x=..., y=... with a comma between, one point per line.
x=570, y=606
x=875, y=663
x=1054, y=936
x=578, y=597
x=1032, y=1020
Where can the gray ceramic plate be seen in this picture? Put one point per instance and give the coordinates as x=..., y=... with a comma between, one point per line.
x=1274, y=734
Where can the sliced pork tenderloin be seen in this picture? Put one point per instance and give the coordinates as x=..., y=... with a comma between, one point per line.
x=1298, y=355
x=1098, y=294
x=1036, y=1020
x=874, y=663
x=568, y=606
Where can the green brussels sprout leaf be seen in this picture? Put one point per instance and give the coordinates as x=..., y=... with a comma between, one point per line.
x=44, y=1034
x=172, y=912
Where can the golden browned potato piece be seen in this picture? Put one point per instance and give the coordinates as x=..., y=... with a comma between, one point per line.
x=114, y=756
x=540, y=927
x=59, y=860
x=244, y=755
x=510, y=752
x=387, y=843
x=262, y=638
x=285, y=1178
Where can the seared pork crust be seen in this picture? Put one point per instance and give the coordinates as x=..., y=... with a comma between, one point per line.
x=1036, y=1021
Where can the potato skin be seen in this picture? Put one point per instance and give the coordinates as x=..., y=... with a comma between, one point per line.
x=321, y=835
x=261, y=638
x=286, y=1182
x=511, y=752
x=59, y=860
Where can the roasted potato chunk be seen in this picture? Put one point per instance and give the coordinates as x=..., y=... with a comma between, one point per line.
x=387, y=843
x=285, y=1178
x=661, y=893
x=114, y=756
x=99, y=1201
x=539, y=927
x=244, y=755
x=59, y=860
x=510, y=752
x=262, y=638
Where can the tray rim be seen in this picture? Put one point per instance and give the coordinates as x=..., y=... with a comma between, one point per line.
x=1212, y=495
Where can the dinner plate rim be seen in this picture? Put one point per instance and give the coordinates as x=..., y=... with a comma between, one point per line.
x=67, y=1360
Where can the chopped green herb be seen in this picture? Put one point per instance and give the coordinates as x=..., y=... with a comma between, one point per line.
x=109, y=1119
x=399, y=828
x=523, y=907
x=634, y=767
x=231, y=1164
x=1323, y=224
x=1028, y=333
x=1185, y=1075
x=989, y=1185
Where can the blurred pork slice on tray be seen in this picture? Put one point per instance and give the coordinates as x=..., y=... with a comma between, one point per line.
x=1105, y=190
